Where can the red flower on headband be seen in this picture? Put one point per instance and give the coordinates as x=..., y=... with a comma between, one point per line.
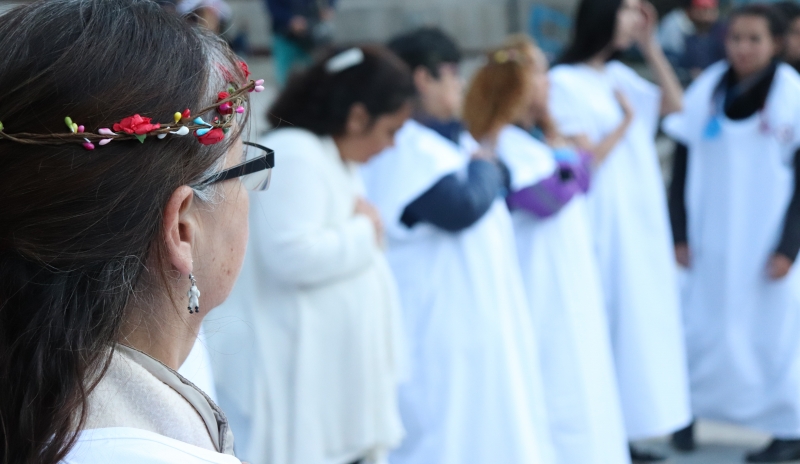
x=136, y=125
x=225, y=108
x=211, y=137
x=245, y=69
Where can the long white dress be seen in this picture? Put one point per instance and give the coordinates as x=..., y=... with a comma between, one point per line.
x=307, y=350
x=142, y=412
x=633, y=242
x=474, y=393
x=560, y=273
x=741, y=327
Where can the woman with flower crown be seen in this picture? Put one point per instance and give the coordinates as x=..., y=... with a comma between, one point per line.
x=123, y=176
x=308, y=351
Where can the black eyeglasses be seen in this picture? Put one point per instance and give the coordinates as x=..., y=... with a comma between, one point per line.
x=255, y=171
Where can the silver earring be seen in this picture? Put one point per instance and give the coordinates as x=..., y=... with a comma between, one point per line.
x=194, y=296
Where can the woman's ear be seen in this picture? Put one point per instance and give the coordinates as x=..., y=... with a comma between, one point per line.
x=358, y=121
x=180, y=228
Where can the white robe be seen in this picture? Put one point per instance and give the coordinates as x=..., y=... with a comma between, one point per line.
x=475, y=392
x=741, y=327
x=142, y=412
x=633, y=242
x=307, y=350
x=560, y=273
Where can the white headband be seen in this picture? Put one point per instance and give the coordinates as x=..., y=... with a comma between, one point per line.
x=344, y=60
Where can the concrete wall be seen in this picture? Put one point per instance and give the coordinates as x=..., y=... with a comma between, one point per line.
x=476, y=24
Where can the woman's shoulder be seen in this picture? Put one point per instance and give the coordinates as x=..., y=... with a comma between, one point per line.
x=514, y=135
x=789, y=77
x=293, y=140
x=565, y=72
x=621, y=71
x=124, y=445
x=416, y=140
x=699, y=91
x=713, y=72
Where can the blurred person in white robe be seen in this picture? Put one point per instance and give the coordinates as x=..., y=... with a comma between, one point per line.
x=735, y=210
x=308, y=352
x=475, y=392
x=507, y=99
x=628, y=207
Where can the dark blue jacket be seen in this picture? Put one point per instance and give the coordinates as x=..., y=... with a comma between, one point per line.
x=282, y=11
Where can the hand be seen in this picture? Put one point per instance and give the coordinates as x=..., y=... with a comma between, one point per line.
x=627, y=109
x=779, y=266
x=683, y=255
x=646, y=35
x=365, y=208
x=298, y=25
x=486, y=151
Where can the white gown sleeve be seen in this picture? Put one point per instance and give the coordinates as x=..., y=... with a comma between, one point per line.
x=688, y=125
x=289, y=227
x=643, y=95
x=563, y=104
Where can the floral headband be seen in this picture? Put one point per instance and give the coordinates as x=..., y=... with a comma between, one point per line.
x=503, y=56
x=138, y=127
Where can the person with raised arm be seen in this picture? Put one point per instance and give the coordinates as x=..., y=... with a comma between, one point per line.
x=628, y=206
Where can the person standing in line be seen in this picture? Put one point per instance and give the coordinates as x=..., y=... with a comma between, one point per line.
x=474, y=393
x=790, y=10
x=693, y=37
x=628, y=207
x=312, y=377
x=507, y=99
x=120, y=203
x=735, y=207
x=298, y=27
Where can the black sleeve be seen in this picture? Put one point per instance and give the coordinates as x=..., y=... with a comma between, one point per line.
x=454, y=203
x=790, y=240
x=677, y=195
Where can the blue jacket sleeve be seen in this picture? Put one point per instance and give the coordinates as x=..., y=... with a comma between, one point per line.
x=454, y=203
x=281, y=13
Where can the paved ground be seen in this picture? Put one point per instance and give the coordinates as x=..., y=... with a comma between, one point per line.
x=718, y=444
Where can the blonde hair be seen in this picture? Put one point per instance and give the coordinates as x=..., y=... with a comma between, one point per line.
x=497, y=94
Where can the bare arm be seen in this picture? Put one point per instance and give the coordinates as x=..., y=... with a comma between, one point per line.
x=671, y=90
x=601, y=150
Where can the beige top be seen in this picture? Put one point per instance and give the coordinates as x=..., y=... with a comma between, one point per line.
x=140, y=392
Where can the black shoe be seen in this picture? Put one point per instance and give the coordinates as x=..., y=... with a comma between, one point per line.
x=639, y=456
x=777, y=451
x=683, y=439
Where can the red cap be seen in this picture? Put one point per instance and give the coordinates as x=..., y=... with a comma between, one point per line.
x=705, y=3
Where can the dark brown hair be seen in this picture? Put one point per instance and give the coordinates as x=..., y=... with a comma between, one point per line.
x=320, y=101
x=426, y=47
x=592, y=31
x=778, y=24
x=78, y=226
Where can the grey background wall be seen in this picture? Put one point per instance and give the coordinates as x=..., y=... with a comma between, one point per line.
x=476, y=24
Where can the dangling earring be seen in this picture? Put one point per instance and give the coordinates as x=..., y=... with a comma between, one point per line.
x=194, y=296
